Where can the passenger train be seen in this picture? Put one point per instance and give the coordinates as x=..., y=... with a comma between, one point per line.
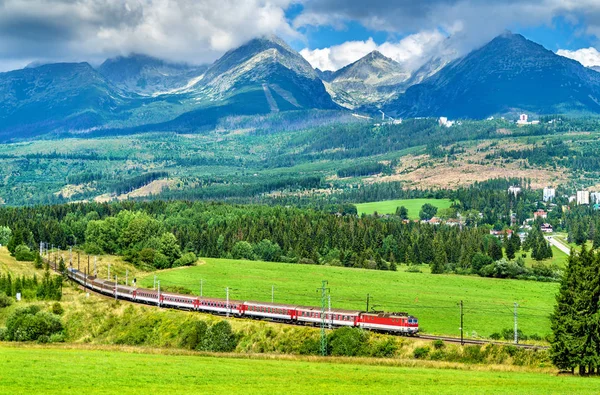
x=397, y=323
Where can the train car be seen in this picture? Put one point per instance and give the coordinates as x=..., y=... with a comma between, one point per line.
x=389, y=322
x=180, y=301
x=221, y=306
x=272, y=311
x=335, y=317
x=125, y=292
x=146, y=296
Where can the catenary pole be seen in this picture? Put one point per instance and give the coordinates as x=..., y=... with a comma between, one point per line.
x=516, y=325
x=324, y=290
x=462, y=341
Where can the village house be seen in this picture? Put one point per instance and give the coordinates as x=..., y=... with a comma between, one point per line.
x=540, y=214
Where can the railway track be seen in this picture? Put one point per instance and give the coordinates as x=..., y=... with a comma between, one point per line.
x=480, y=342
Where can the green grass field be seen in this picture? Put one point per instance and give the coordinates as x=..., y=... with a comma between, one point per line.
x=412, y=205
x=433, y=299
x=64, y=371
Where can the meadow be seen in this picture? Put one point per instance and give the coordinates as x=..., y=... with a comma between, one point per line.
x=412, y=205
x=55, y=370
x=433, y=299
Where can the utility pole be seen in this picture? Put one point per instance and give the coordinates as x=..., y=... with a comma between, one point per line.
x=324, y=290
x=368, y=299
x=158, y=293
x=272, y=294
x=227, y=290
x=116, y=287
x=78, y=259
x=95, y=268
x=108, y=275
x=201, y=283
x=462, y=341
x=154, y=284
x=516, y=326
x=71, y=256
x=41, y=249
x=330, y=316
x=126, y=276
x=88, y=268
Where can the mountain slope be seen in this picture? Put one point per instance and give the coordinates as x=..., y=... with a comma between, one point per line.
x=270, y=66
x=146, y=75
x=371, y=79
x=60, y=96
x=508, y=75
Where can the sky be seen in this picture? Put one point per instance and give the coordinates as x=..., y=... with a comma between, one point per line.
x=328, y=33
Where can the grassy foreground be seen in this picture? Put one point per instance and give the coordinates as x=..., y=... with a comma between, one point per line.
x=488, y=303
x=412, y=205
x=52, y=370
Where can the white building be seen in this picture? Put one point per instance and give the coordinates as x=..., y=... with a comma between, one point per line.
x=549, y=194
x=514, y=190
x=583, y=197
x=524, y=120
x=443, y=121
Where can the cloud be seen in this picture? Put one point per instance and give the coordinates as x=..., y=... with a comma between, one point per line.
x=196, y=31
x=471, y=23
x=411, y=51
x=586, y=56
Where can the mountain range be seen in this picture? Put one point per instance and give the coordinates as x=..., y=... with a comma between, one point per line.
x=508, y=75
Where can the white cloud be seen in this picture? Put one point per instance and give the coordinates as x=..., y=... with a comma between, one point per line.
x=195, y=31
x=586, y=56
x=411, y=51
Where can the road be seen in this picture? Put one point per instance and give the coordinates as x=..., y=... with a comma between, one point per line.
x=564, y=248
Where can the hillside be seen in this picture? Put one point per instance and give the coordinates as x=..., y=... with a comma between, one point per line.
x=61, y=96
x=508, y=75
x=146, y=75
x=371, y=79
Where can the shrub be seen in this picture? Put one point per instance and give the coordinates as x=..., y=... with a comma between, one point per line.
x=421, y=352
x=161, y=261
x=348, y=342
x=2, y=334
x=5, y=300
x=242, y=250
x=23, y=253
x=187, y=259
x=438, y=344
x=193, y=335
x=29, y=324
x=495, y=336
x=386, y=348
x=57, y=309
x=220, y=338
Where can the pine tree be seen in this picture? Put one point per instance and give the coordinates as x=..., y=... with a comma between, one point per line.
x=440, y=260
x=510, y=249
x=575, y=321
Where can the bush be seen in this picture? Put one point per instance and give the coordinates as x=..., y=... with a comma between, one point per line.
x=24, y=254
x=186, y=260
x=161, y=261
x=421, y=352
x=220, y=338
x=5, y=300
x=57, y=309
x=348, y=342
x=242, y=250
x=193, y=335
x=384, y=349
x=31, y=324
x=495, y=336
x=438, y=344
